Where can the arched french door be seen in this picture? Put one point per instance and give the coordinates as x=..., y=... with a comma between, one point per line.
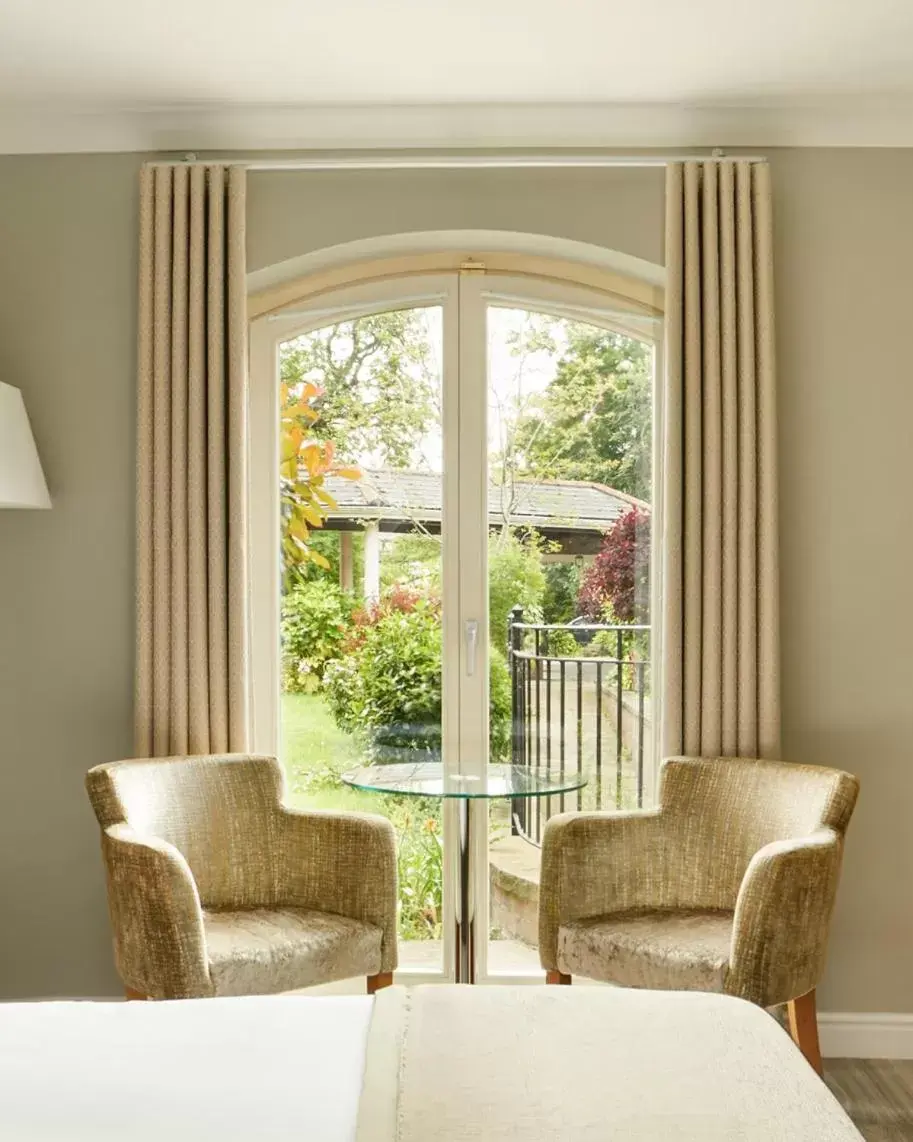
x=488, y=432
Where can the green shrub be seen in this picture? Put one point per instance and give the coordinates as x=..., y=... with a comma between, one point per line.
x=561, y=644
x=420, y=867
x=605, y=644
x=342, y=689
x=400, y=670
x=387, y=686
x=499, y=706
x=515, y=578
x=316, y=617
x=635, y=647
x=562, y=583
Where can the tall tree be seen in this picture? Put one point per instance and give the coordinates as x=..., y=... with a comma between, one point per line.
x=379, y=381
x=514, y=402
x=594, y=421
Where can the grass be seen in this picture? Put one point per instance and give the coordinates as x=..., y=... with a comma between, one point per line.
x=312, y=742
x=315, y=752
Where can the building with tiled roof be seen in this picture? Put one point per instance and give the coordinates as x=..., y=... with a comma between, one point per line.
x=575, y=514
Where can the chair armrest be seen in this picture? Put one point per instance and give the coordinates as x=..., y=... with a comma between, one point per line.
x=782, y=918
x=156, y=918
x=343, y=863
x=593, y=863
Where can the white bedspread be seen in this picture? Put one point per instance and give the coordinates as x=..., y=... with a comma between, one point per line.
x=586, y=1064
x=209, y=1070
x=444, y=1064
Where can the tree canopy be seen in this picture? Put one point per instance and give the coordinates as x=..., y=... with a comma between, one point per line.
x=593, y=422
x=570, y=401
x=380, y=387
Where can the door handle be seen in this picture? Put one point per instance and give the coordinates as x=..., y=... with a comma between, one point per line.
x=471, y=632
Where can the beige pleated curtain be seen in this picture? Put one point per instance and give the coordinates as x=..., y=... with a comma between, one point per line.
x=720, y=621
x=192, y=628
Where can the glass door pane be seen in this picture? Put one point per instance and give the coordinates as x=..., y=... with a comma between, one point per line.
x=569, y=509
x=361, y=473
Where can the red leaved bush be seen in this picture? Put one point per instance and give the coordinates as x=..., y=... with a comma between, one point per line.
x=396, y=598
x=620, y=574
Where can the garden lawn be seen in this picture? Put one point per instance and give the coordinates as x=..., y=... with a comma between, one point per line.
x=315, y=751
x=311, y=742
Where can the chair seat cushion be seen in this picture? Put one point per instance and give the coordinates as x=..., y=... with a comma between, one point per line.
x=271, y=950
x=678, y=951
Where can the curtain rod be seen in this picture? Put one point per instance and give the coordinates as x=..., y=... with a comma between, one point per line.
x=460, y=162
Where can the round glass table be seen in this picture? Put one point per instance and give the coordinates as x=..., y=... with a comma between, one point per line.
x=429, y=779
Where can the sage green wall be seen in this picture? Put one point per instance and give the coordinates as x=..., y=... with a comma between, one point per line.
x=291, y=213
x=67, y=329
x=844, y=248
x=67, y=334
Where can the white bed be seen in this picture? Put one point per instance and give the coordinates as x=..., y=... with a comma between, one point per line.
x=434, y=1064
x=201, y=1070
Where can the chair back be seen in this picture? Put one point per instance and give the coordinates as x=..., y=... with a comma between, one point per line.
x=218, y=811
x=721, y=811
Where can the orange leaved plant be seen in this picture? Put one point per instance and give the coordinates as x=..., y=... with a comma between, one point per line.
x=304, y=464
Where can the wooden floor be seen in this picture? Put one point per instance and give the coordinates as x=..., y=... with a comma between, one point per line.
x=877, y=1094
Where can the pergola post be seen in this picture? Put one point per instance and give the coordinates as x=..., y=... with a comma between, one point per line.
x=346, y=562
x=372, y=563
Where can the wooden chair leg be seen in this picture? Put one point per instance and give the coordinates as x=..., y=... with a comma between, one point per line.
x=131, y=994
x=382, y=979
x=803, y=1026
x=557, y=977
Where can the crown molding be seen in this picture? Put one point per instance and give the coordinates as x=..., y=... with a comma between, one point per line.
x=861, y=122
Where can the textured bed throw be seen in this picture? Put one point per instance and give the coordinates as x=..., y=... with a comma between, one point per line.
x=535, y=1064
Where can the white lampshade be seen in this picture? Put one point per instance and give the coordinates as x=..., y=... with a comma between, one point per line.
x=21, y=478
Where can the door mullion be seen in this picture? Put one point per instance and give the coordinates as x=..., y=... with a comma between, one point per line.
x=473, y=576
x=473, y=526
x=450, y=599
x=450, y=537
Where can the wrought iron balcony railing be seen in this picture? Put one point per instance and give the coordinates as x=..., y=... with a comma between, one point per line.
x=581, y=700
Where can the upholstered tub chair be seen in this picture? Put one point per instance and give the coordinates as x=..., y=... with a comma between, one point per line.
x=728, y=886
x=215, y=887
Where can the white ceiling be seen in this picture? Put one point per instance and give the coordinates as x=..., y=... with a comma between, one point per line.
x=163, y=63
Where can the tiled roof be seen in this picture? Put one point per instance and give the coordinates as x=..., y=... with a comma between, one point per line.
x=394, y=494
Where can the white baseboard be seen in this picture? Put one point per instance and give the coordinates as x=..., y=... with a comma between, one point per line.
x=866, y=1035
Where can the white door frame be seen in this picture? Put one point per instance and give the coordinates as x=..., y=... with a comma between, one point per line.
x=464, y=296
x=267, y=333
x=478, y=292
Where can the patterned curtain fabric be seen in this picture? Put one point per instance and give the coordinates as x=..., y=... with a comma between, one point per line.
x=720, y=622
x=192, y=621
